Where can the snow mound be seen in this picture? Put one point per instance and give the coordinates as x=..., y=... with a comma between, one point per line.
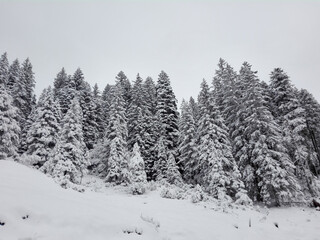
x=33, y=206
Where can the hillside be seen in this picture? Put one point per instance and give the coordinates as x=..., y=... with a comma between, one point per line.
x=33, y=206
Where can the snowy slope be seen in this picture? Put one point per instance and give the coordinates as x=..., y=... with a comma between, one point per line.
x=56, y=213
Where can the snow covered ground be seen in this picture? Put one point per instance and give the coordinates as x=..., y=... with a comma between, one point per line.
x=33, y=207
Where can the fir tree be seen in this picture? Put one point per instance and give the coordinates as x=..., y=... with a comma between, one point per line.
x=136, y=166
x=43, y=131
x=173, y=175
x=68, y=162
x=115, y=139
x=4, y=70
x=266, y=167
x=9, y=127
x=167, y=108
x=291, y=117
x=187, y=143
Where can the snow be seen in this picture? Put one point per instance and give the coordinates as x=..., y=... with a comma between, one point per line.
x=112, y=213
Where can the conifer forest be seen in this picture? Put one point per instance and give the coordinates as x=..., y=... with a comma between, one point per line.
x=242, y=139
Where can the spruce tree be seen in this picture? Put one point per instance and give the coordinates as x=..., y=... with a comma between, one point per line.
x=136, y=166
x=291, y=117
x=187, y=143
x=68, y=162
x=4, y=70
x=43, y=131
x=167, y=108
x=262, y=158
x=312, y=116
x=115, y=139
x=9, y=127
x=27, y=79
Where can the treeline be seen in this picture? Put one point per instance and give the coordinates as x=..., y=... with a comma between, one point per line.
x=241, y=137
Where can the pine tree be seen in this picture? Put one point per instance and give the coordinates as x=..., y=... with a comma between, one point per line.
x=123, y=82
x=68, y=162
x=312, y=111
x=89, y=124
x=136, y=166
x=9, y=128
x=43, y=131
x=98, y=113
x=135, y=114
x=172, y=174
x=4, y=70
x=61, y=90
x=27, y=78
x=167, y=108
x=160, y=165
x=262, y=158
x=291, y=117
x=217, y=170
x=194, y=110
x=115, y=139
x=187, y=143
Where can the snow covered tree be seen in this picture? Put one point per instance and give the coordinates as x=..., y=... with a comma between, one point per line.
x=173, y=175
x=136, y=110
x=312, y=111
x=9, y=127
x=68, y=162
x=291, y=117
x=187, y=143
x=261, y=156
x=194, y=110
x=98, y=113
x=215, y=169
x=43, y=131
x=123, y=82
x=115, y=139
x=226, y=92
x=27, y=78
x=136, y=166
x=150, y=95
x=4, y=70
x=167, y=108
x=61, y=90
x=160, y=165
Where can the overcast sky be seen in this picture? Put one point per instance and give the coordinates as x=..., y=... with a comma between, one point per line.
x=183, y=38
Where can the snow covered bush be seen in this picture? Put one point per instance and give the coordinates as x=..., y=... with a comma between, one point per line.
x=137, y=188
x=172, y=192
x=197, y=194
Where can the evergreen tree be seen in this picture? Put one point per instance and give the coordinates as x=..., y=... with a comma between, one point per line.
x=61, y=90
x=217, y=170
x=115, y=140
x=160, y=165
x=123, y=82
x=167, y=108
x=43, y=131
x=68, y=162
x=135, y=114
x=98, y=112
x=187, y=143
x=4, y=70
x=291, y=117
x=194, y=110
x=312, y=111
x=9, y=127
x=262, y=158
x=136, y=166
x=27, y=78
x=173, y=175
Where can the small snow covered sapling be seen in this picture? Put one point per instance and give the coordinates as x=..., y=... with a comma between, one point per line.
x=138, y=176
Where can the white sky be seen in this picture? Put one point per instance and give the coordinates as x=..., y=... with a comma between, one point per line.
x=183, y=38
